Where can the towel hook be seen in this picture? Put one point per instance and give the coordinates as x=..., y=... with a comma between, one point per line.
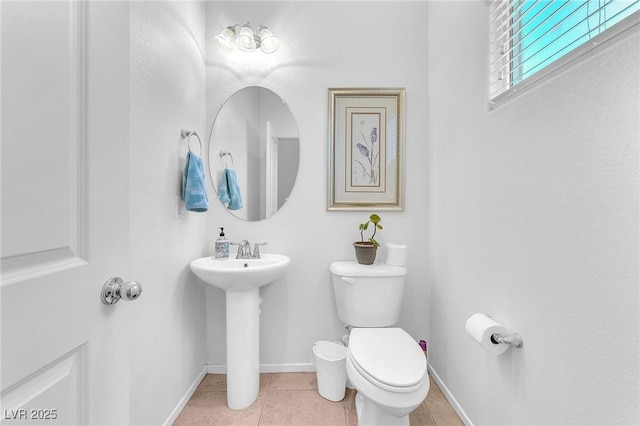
x=224, y=154
x=187, y=134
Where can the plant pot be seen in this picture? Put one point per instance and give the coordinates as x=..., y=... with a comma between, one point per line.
x=365, y=252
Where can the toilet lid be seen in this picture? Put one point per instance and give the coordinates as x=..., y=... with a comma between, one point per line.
x=388, y=355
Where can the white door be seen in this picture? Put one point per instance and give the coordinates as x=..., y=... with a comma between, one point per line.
x=65, y=163
x=272, y=170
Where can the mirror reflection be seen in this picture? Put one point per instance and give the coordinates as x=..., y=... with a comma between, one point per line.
x=253, y=153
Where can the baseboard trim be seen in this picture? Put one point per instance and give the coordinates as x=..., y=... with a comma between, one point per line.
x=266, y=368
x=447, y=394
x=187, y=396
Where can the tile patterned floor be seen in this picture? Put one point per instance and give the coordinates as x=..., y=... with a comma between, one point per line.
x=293, y=399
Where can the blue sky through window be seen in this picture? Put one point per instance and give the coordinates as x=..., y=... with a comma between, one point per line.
x=547, y=30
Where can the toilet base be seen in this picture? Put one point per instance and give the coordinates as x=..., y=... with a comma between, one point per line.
x=369, y=414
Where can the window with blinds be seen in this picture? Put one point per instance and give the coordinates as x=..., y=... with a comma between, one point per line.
x=531, y=38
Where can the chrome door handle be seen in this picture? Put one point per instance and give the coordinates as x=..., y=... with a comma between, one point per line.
x=115, y=289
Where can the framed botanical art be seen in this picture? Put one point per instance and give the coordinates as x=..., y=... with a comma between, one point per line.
x=366, y=146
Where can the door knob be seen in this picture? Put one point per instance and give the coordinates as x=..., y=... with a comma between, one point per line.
x=115, y=289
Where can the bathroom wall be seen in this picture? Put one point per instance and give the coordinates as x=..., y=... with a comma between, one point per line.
x=533, y=219
x=323, y=45
x=167, y=94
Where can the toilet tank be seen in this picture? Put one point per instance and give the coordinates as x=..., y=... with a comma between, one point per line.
x=368, y=295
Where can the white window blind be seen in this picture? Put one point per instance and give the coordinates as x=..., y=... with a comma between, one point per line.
x=531, y=38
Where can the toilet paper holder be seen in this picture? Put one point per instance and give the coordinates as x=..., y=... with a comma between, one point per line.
x=512, y=339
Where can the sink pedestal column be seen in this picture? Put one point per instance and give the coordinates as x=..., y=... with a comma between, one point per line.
x=243, y=348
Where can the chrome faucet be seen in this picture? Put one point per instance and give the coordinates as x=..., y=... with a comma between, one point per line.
x=244, y=250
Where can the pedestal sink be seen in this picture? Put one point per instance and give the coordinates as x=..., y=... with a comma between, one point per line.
x=241, y=280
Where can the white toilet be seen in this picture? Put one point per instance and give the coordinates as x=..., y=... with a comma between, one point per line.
x=385, y=364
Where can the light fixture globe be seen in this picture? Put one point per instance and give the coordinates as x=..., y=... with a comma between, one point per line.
x=246, y=40
x=268, y=42
x=225, y=39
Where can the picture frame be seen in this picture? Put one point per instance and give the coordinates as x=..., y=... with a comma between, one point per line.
x=366, y=149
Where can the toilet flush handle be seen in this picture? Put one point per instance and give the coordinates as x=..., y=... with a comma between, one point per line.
x=349, y=280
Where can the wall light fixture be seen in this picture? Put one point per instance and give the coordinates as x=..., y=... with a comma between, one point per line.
x=246, y=39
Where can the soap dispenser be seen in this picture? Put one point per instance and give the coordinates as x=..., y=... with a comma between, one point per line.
x=222, y=246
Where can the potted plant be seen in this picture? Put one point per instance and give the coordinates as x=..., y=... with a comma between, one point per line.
x=366, y=250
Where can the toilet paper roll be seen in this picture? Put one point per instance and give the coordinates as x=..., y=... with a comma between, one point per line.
x=481, y=327
x=396, y=254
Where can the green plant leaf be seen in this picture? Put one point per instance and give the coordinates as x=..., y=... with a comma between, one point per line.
x=375, y=219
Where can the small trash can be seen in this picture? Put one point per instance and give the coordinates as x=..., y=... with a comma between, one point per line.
x=329, y=358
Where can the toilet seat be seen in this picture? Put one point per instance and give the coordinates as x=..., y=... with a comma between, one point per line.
x=389, y=358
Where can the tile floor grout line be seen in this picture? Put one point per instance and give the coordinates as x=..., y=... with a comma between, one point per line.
x=267, y=388
x=264, y=401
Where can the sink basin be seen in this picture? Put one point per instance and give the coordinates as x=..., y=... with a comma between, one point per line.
x=240, y=274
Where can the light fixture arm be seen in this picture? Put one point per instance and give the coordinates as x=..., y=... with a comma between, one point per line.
x=257, y=33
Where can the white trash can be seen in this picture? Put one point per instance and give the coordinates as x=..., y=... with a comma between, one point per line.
x=329, y=358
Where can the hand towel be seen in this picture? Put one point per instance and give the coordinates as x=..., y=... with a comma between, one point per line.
x=228, y=191
x=223, y=189
x=194, y=191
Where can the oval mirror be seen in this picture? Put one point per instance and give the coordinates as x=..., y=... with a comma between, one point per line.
x=253, y=153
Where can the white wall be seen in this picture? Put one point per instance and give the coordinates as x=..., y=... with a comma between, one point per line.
x=358, y=49
x=533, y=219
x=167, y=94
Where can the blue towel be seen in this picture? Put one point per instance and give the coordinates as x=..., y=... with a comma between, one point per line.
x=194, y=191
x=228, y=191
x=223, y=189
